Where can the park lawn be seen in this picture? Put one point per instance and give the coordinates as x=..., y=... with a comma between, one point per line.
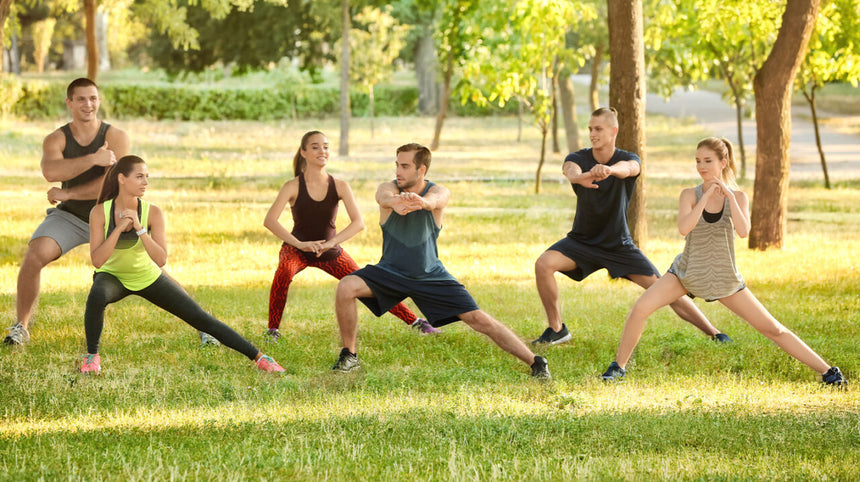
x=451, y=406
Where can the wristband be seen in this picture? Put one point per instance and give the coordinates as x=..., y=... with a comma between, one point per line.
x=141, y=232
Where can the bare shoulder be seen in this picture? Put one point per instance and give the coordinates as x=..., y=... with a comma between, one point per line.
x=439, y=189
x=688, y=193
x=387, y=186
x=741, y=196
x=340, y=184
x=56, y=137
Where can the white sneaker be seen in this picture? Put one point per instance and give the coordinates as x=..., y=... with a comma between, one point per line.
x=208, y=340
x=18, y=335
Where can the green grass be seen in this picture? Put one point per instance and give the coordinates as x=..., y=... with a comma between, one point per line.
x=447, y=407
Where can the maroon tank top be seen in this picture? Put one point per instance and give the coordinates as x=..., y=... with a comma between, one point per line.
x=313, y=220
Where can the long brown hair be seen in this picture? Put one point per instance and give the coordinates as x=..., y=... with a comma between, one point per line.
x=110, y=186
x=723, y=147
x=299, y=162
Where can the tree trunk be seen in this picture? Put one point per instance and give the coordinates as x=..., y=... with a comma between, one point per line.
x=568, y=111
x=773, y=86
x=370, y=94
x=594, y=97
x=425, y=71
x=739, y=109
x=5, y=7
x=810, y=97
x=543, y=133
x=90, y=7
x=627, y=96
x=102, y=39
x=43, y=32
x=519, y=119
x=554, y=115
x=443, y=103
x=343, y=148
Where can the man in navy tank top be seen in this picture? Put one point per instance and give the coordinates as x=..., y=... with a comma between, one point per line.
x=77, y=156
x=603, y=179
x=410, y=215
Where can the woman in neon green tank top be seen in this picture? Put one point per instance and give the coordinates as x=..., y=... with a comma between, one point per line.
x=128, y=247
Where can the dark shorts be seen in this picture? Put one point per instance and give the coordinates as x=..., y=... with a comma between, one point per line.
x=441, y=302
x=620, y=262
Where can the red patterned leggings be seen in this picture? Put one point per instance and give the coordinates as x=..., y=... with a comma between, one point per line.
x=292, y=262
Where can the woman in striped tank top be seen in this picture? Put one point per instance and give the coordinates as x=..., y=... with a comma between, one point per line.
x=707, y=216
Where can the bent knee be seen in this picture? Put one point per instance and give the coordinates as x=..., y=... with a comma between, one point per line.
x=773, y=330
x=350, y=287
x=42, y=251
x=551, y=261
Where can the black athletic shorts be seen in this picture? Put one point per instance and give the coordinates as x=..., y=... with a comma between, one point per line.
x=620, y=262
x=441, y=302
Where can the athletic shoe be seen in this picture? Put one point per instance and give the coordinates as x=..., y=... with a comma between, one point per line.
x=272, y=335
x=834, y=377
x=346, y=362
x=425, y=327
x=553, y=337
x=540, y=369
x=721, y=338
x=614, y=372
x=208, y=340
x=268, y=364
x=18, y=335
x=92, y=364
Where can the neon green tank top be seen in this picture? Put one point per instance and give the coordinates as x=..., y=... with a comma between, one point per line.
x=129, y=261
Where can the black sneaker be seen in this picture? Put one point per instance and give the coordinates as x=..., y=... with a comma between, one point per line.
x=721, y=338
x=834, y=377
x=540, y=369
x=346, y=362
x=614, y=372
x=553, y=337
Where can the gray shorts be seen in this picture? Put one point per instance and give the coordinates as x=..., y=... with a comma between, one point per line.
x=63, y=227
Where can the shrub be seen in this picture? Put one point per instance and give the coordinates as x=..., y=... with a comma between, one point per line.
x=189, y=102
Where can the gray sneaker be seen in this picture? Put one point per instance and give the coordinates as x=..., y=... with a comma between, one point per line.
x=18, y=335
x=613, y=373
x=346, y=362
x=553, y=337
x=208, y=340
x=540, y=369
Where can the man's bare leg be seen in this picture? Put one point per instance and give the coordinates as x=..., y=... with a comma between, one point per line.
x=501, y=335
x=546, y=266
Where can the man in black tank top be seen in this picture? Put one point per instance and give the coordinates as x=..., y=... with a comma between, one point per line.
x=77, y=156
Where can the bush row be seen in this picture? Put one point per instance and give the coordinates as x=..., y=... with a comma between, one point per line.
x=41, y=100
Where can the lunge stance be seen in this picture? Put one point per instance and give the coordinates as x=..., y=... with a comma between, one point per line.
x=410, y=215
x=128, y=248
x=603, y=179
x=76, y=155
x=708, y=216
x=313, y=196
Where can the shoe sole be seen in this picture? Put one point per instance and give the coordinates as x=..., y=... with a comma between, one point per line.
x=564, y=339
x=351, y=369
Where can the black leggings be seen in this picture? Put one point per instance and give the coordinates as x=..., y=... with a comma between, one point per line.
x=167, y=295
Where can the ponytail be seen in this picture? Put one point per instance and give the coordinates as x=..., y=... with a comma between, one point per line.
x=110, y=185
x=299, y=162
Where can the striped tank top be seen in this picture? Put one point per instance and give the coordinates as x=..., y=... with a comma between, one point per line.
x=707, y=267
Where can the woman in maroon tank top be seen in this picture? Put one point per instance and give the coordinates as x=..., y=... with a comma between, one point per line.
x=313, y=196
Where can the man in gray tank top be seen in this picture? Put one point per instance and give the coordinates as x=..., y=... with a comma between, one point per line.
x=410, y=215
x=76, y=155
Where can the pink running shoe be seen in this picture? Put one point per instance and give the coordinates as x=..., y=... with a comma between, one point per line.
x=268, y=364
x=92, y=364
x=425, y=327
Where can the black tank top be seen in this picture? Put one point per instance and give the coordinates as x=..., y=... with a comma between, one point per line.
x=81, y=208
x=314, y=220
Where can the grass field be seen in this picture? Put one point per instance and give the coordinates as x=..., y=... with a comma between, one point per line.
x=449, y=407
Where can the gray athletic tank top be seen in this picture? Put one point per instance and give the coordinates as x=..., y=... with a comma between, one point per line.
x=707, y=267
x=81, y=208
